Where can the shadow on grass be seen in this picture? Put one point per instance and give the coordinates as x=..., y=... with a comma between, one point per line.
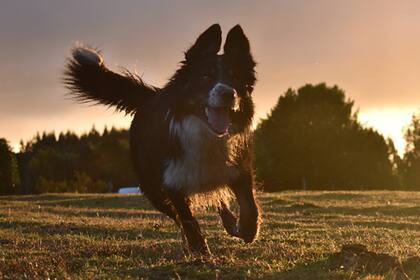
x=313, y=270
x=126, y=202
x=376, y=211
x=221, y=270
x=331, y=196
x=322, y=269
x=85, y=200
x=43, y=197
x=381, y=225
x=388, y=210
x=100, y=213
x=269, y=201
x=92, y=231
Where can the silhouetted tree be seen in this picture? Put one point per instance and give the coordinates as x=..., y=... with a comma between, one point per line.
x=397, y=163
x=311, y=139
x=9, y=178
x=92, y=162
x=410, y=165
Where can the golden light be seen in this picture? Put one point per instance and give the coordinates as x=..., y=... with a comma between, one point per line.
x=390, y=122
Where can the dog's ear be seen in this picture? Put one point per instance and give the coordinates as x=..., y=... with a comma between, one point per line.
x=236, y=42
x=208, y=42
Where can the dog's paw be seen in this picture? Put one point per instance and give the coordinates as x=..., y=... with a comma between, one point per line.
x=248, y=234
x=249, y=226
x=87, y=56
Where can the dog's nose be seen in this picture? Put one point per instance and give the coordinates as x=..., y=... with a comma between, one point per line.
x=226, y=93
x=222, y=95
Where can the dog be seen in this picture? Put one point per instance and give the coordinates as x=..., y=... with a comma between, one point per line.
x=191, y=138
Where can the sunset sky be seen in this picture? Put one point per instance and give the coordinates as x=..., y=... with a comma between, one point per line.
x=371, y=49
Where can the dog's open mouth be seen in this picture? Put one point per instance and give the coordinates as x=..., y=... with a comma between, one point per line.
x=218, y=119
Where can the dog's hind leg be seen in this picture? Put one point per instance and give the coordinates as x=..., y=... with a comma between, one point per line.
x=161, y=201
x=195, y=239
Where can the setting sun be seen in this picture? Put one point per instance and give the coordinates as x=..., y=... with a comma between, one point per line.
x=391, y=122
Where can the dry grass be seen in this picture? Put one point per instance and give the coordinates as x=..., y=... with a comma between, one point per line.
x=122, y=237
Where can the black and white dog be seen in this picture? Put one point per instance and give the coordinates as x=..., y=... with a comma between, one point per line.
x=190, y=138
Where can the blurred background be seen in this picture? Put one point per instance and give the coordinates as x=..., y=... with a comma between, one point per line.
x=336, y=99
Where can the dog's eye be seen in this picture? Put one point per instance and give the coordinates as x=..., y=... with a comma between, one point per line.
x=232, y=75
x=209, y=74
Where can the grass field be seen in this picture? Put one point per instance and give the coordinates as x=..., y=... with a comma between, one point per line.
x=122, y=237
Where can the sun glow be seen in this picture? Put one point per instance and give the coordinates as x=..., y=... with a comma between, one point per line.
x=390, y=122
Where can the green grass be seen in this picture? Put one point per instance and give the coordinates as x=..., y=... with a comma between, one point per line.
x=121, y=237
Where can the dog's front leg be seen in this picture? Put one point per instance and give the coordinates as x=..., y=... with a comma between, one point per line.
x=195, y=239
x=249, y=216
x=229, y=220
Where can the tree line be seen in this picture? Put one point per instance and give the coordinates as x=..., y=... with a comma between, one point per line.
x=311, y=139
x=92, y=162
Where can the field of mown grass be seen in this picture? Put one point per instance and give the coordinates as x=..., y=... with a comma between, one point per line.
x=71, y=236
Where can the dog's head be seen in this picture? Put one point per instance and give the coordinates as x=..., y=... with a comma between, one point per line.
x=215, y=87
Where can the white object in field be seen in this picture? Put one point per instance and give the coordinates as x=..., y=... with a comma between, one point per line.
x=129, y=190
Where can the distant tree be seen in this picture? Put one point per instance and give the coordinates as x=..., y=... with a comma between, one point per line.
x=397, y=163
x=81, y=183
x=9, y=177
x=311, y=139
x=410, y=166
x=66, y=163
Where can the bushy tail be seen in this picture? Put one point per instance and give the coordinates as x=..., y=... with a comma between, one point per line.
x=88, y=79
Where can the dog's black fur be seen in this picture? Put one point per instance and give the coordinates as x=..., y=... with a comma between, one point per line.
x=191, y=137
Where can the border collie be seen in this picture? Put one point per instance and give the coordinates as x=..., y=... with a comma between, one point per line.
x=190, y=138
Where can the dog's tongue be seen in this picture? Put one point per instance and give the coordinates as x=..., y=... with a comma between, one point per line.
x=219, y=119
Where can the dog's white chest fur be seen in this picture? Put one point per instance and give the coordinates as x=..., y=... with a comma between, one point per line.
x=205, y=164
